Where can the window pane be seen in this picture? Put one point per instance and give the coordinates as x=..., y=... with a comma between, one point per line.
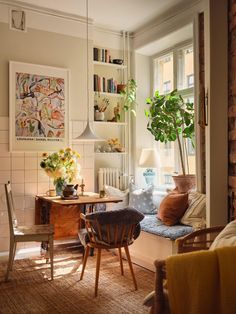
x=164, y=74
x=185, y=68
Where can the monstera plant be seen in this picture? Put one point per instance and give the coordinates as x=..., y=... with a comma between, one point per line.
x=171, y=119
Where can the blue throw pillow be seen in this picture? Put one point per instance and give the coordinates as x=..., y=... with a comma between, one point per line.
x=142, y=199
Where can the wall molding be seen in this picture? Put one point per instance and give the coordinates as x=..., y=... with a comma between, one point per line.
x=68, y=20
x=166, y=24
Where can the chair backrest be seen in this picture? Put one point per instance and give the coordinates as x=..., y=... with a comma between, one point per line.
x=114, y=228
x=10, y=206
x=198, y=240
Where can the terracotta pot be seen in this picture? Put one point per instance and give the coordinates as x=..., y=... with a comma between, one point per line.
x=185, y=183
x=120, y=88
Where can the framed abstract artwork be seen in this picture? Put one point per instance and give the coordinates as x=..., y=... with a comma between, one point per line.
x=38, y=111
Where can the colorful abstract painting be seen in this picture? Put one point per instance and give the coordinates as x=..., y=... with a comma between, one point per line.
x=40, y=106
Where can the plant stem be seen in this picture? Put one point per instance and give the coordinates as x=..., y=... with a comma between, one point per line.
x=180, y=153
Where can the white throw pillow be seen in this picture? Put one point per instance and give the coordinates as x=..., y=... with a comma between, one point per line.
x=142, y=199
x=111, y=191
x=227, y=237
x=195, y=215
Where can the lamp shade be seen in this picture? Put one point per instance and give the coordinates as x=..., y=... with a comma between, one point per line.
x=148, y=158
x=88, y=135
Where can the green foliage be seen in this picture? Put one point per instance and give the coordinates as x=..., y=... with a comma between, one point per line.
x=169, y=117
x=129, y=96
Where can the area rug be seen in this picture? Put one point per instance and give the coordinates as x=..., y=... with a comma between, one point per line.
x=29, y=289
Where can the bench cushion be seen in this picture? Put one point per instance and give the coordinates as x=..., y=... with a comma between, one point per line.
x=153, y=225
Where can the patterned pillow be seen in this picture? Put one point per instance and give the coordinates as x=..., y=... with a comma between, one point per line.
x=112, y=191
x=195, y=215
x=142, y=199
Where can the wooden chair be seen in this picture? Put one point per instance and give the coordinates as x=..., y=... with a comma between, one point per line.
x=35, y=233
x=198, y=240
x=195, y=241
x=110, y=230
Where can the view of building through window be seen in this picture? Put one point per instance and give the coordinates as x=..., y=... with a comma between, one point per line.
x=175, y=70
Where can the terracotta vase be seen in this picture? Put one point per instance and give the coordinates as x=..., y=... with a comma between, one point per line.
x=185, y=183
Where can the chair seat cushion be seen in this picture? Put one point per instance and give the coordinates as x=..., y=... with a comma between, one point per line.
x=152, y=224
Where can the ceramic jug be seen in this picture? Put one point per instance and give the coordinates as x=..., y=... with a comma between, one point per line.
x=70, y=190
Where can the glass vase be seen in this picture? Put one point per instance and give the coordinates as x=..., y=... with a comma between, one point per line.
x=59, y=184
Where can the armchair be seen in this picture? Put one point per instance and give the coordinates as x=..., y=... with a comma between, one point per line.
x=195, y=241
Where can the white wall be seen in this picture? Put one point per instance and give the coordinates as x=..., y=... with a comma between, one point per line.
x=142, y=138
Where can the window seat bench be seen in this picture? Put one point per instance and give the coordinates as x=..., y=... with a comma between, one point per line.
x=156, y=241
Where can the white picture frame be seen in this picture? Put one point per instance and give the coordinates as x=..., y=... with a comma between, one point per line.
x=17, y=20
x=38, y=107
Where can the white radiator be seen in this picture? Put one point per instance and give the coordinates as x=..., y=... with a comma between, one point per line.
x=108, y=176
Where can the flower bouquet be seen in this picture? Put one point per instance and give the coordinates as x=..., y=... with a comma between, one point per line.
x=62, y=167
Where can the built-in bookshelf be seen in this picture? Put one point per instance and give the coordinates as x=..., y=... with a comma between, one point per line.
x=108, y=77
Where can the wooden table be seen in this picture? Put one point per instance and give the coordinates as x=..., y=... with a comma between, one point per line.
x=65, y=214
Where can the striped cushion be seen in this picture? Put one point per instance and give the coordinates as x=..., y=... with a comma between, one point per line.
x=195, y=215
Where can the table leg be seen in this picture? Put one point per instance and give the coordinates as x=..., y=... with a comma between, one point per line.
x=44, y=219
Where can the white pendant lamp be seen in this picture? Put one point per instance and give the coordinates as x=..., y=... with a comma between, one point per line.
x=88, y=133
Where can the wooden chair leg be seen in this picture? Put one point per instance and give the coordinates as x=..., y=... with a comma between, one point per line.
x=97, y=271
x=131, y=267
x=10, y=259
x=121, y=262
x=51, y=255
x=87, y=249
x=13, y=255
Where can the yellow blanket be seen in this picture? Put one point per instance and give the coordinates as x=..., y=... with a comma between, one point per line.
x=202, y=282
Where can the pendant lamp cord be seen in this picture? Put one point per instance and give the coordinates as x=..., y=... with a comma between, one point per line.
x=87, y=32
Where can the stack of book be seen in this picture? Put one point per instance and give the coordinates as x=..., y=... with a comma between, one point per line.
x=101, y=84
x=101, y=54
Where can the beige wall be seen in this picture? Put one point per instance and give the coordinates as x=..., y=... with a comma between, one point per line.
x=46, y=48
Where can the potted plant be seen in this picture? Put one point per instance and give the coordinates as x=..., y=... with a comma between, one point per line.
x=129, y=96
x=171, y=119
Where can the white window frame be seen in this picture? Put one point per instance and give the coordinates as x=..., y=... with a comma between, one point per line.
x=186, y=92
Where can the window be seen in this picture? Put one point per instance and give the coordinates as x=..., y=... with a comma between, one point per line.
x=174, y=70
x=166, y=87
x=185, y=65
x=190, y=80
x=164, y=73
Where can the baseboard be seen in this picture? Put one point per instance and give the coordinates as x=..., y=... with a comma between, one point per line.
x=21, y=253
x=145, y=263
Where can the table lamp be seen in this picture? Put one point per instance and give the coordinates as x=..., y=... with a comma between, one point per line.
x=148, y=159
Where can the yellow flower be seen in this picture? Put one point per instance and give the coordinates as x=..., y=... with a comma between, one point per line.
x=61, y=165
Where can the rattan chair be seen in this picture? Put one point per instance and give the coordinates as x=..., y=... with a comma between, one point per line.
x=195, y=241
x=110, y=230
x=34, y=233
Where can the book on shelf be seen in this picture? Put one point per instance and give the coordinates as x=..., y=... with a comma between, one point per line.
x=101, y=55
x=101, y=84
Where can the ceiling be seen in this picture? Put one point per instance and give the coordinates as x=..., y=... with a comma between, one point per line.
x=128, y=15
